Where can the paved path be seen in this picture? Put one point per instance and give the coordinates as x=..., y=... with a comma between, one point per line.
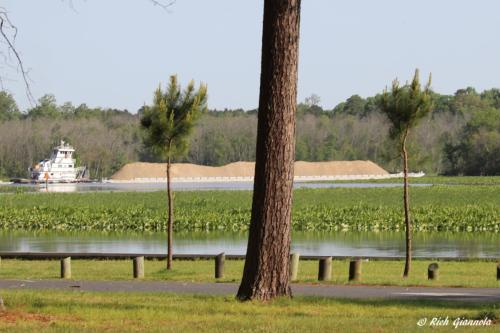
x=350, y=292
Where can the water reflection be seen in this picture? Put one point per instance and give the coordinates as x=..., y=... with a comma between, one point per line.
x=470, y=245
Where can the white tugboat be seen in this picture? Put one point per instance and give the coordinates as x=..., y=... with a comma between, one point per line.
x=59, y=168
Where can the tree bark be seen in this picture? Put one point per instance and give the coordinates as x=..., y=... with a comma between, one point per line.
x=406, y=207
x=170, y=220
x=266, y=271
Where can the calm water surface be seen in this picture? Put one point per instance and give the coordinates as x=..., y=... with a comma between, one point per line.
x=186, y=186
x=472, y=245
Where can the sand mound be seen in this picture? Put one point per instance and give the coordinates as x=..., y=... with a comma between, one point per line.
x=136, y=170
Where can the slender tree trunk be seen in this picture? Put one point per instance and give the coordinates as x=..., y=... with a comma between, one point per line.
x=266, y=271
x=406, y=207
x=170, y=220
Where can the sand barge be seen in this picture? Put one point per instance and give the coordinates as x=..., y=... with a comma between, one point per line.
x=243, y=171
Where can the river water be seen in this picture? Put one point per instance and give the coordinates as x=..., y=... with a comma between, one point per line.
x=185, y=186
x=471, y=245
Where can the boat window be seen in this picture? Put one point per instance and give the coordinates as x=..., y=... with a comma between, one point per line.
x=70, y=166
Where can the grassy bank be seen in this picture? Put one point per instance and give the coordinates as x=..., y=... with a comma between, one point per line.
x=452, y=274
x=54, y=311
x=436, y=208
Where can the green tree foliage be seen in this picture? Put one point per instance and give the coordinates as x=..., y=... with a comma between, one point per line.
x=168, y=124
x=405, y=106
x=466, y=101
x=310, y=105
x=492, y=97
x=478, y=152
x=355, y=105
x=47, y=108
x=171, y=119
x=8, y=107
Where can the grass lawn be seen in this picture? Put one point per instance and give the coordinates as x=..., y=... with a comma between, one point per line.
x=455, y=274
x=56, y=311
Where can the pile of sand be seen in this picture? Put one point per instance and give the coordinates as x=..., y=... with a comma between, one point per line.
x=136, y=170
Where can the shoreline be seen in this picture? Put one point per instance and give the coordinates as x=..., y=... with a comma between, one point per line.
x=297, y=179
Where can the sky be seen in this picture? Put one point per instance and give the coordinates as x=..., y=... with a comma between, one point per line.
x=115, y=53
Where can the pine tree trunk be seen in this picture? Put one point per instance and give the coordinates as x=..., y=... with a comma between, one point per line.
x=266, y=272
x=170, y=220
x=406, y=207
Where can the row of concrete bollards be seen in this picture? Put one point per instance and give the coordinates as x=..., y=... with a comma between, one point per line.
x=137, y=268
x=324, y=269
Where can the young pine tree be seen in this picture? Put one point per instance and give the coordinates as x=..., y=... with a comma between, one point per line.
x=405, y=106
x=168, y=124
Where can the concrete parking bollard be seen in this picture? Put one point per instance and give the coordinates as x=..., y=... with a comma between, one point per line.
x=220, y=260
x=66, y=268
x=355, y=270
x=433, y=271
x=325, y=269
x=138, y=267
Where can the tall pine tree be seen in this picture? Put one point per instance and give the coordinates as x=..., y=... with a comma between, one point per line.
x=266, y=271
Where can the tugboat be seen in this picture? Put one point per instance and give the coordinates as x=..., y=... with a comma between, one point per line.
x=59, y=168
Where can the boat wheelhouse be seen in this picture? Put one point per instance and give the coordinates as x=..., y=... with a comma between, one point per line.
x=59, y=168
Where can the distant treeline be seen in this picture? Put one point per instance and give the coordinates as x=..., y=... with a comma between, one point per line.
x=460, y=137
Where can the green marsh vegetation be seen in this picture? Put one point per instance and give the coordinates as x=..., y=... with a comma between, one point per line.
x=435, y=208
